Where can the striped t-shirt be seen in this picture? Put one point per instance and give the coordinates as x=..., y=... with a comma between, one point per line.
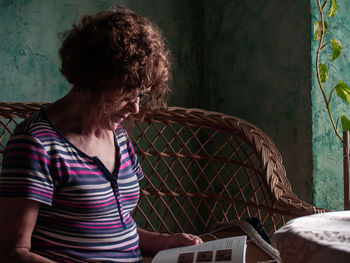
x=85, y=210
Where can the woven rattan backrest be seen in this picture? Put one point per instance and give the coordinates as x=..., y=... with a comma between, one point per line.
x=206, y=167
x=200, y=168
x=10, y=115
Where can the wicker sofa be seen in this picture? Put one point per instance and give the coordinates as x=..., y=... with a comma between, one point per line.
x=200, y=168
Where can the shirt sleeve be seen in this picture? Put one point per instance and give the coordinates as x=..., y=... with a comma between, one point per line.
x=25, y=170
x=136, y=167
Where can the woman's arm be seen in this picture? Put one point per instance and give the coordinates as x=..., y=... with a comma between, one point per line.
x=17, y=221
x=152, y=242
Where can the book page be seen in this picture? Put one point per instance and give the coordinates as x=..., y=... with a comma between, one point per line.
x=232, y=249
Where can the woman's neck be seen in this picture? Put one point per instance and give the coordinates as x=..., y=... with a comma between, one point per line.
x=72, y=115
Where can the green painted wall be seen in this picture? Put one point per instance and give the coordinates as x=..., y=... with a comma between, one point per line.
x=29, y=36
x=327, y=149
x=256, y=65
x=28, y=47
x=250, y=59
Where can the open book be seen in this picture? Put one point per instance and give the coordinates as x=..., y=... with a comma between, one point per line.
x=232, y=249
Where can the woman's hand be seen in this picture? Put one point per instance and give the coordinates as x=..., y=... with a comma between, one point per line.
x=183, y=239
x=152, y=242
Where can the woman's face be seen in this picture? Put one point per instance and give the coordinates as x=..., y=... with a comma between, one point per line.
x=119, y=106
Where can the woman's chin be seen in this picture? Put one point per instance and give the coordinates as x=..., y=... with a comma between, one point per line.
x=115, y=123
x=115, y=120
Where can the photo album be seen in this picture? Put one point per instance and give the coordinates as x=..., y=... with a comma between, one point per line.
x=232, y=249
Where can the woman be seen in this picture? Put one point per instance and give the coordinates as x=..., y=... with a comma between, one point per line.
x=70, y=175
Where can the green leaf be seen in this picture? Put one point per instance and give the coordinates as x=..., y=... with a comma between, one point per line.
x=318, y=28
x=343, y=91
x=336, y=45
x=333, y=8
x=323, y=72
x=317, y=31
x=345, y=123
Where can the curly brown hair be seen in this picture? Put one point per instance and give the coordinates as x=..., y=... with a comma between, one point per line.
x=117, y=50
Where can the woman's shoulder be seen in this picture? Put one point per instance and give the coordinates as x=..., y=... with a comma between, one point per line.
x=33, y=123
x=121, y=131
x=121, y=135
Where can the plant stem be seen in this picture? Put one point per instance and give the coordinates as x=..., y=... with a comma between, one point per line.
x=324, y=3
x=330, y=96
x=318, y=74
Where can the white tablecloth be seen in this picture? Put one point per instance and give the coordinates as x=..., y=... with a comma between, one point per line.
x=319, y=238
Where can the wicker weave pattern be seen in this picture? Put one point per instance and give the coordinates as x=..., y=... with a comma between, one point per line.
x=200, y=168
x=10, y=115
x=205, y=167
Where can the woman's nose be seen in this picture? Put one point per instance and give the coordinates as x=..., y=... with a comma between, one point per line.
x=134, y=106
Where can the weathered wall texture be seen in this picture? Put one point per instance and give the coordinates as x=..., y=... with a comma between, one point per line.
x=29, y=42
x=28, y=46
x=256, y=65
x=326, y=147
x=250, y=59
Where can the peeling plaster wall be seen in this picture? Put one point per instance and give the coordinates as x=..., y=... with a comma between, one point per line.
x=327, y=149
x=28, y=47
x=29, y=42
x=256, y=59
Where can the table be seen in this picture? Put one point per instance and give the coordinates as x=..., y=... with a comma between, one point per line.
x=318, y=238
